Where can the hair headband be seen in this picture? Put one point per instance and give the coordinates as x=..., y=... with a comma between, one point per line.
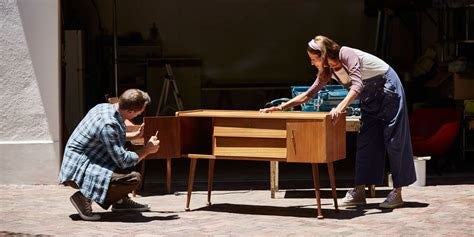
x=313, y=45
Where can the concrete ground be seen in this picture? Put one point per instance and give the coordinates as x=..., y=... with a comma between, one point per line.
x=441, y=210
x=242, y=205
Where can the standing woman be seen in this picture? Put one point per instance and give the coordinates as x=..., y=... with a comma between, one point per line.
x=384, y=118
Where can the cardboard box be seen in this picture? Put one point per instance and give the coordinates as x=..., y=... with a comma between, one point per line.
x=463, y=86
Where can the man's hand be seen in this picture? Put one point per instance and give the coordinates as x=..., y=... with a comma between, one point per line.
x=153, y=145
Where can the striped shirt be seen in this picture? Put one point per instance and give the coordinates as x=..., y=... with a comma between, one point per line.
x=95, y=149
x=357, y=65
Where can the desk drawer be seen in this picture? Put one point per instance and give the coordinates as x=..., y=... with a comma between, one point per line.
x=250, y=128
x=250, y=147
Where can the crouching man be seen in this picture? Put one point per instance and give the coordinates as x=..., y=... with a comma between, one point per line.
x=95, y=158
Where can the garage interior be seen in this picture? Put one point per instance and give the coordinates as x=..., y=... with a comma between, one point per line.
x=239, y=55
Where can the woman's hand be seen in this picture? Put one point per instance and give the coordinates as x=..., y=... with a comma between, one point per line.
x=336, y=114
x=271, y=109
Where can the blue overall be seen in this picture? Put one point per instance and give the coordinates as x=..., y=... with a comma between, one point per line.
x=384, y=130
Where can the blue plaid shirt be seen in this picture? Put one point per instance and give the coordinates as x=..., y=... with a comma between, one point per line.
x=95, y=149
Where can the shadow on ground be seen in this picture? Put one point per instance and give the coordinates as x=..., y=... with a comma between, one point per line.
x=304, y=211
x=134, y=217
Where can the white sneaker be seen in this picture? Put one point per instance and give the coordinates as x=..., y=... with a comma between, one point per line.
x=354, y=197
x=393, y=200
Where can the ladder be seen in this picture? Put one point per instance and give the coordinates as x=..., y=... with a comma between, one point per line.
x=168, y=82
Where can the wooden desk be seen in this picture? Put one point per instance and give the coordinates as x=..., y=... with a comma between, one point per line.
x=303, y=137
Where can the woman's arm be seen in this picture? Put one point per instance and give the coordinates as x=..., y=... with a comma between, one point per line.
x=350, y=97
x=341, y=107
x=351, y=62
x=299, y=99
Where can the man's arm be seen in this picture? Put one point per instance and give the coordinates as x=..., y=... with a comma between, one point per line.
x=114, y=144
x=134, y=131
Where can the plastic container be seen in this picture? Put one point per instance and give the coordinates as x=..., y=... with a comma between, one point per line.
x=420, y=168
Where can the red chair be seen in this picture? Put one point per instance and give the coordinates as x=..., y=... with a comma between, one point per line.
x=434, y=130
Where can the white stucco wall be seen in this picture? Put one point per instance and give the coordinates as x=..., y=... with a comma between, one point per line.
x=29, y=91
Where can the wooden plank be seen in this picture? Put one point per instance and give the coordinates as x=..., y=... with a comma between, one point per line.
x=252, y=114
x=263, y=152
x=250, y=147
x=257, y=128
x=248, y=132
x=199, y=156
x=205, y=156
x=249, y=158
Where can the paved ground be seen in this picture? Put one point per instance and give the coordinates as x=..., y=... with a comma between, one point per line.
x=443, y=210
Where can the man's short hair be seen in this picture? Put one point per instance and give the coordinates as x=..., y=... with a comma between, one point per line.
x=133, y=99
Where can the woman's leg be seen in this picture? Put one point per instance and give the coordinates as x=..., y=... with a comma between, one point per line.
x=370, y=156
x=397, y=139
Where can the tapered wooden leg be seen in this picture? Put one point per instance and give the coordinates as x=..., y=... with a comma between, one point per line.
x=209, y=180
x=332, y=180
x=316, y=189
x=192, y=171
x=168, y=175
x=372, y=190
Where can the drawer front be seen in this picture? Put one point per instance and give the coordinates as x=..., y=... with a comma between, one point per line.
x=250, y=147
x=250, y=128
x=316, y=141
x=306, y=141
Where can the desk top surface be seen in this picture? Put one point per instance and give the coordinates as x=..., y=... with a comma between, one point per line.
x=252, y=114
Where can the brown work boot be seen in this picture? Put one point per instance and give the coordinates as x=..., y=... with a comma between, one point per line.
x=83, y=206
x=127, y=204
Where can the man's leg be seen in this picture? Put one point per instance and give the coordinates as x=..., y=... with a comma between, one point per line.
x=121, y=184
x=82, y=204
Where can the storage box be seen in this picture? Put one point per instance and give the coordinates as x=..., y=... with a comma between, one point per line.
x=463, y=86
